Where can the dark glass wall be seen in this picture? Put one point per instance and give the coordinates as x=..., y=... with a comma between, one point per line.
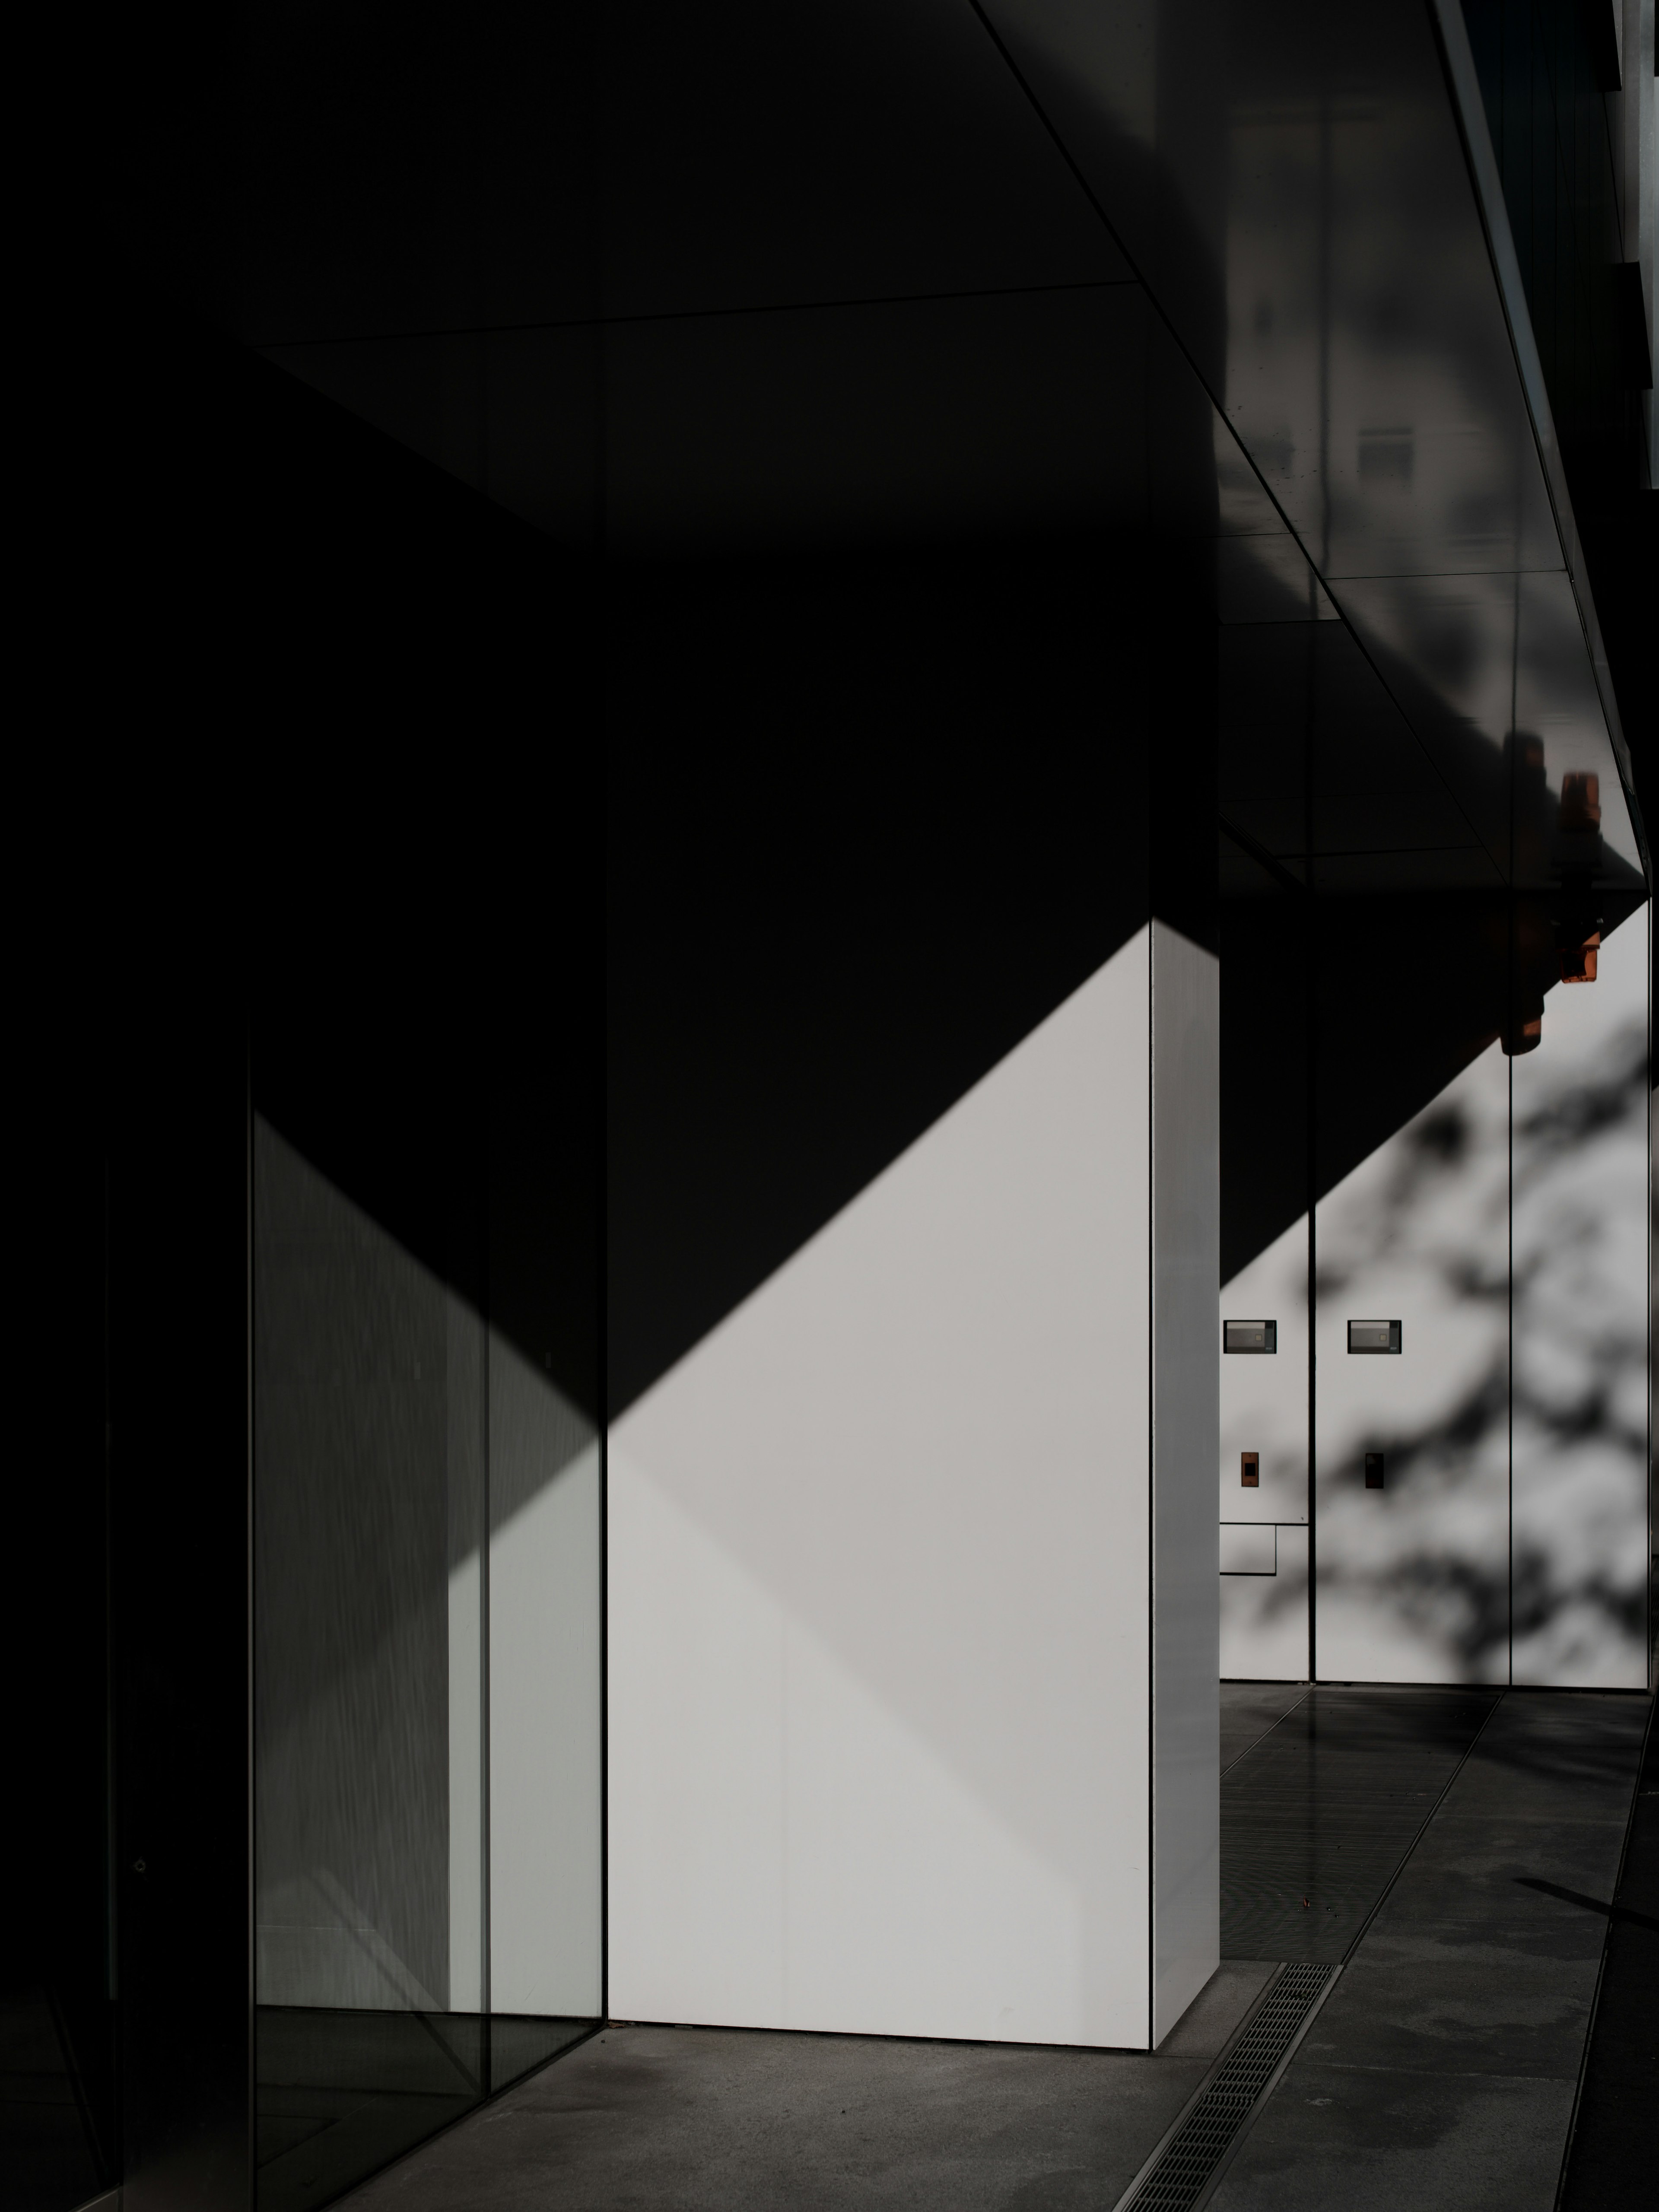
x=1545, y=90
x=1547, y=69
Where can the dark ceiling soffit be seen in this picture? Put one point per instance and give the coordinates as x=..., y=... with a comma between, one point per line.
x=1470, y=110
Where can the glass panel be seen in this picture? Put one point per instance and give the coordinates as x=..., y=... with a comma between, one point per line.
x=393, y=1426
x=1581, y=1103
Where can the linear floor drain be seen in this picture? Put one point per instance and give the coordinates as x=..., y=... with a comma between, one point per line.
x=1182, y=2170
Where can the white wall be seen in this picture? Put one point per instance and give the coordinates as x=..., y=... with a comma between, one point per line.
x=1581, y=1545
x=879, y=1553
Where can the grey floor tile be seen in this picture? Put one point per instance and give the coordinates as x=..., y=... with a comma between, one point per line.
x=1384, y=2141
x=1570, y=1935
x=1576, y=1713
x=1547, y=1901
x=1464, y=2005
x=1533, y=1763
x=1481, y=1847
x=1546, y=1799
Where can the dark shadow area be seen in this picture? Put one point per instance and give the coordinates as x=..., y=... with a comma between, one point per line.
x=1609, y=1913
x=1402, y=991
x=1614, y=2151
x=58, y=2087
x=1265, y=951
x=868, y=830
x=913, y=733
x=365, y=668
x=1410, y=989
x=50, y=2141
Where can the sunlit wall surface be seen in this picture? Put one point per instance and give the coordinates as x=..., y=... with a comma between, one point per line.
x=1579, y=1320
x=1505, y=1536
x=426, y=1696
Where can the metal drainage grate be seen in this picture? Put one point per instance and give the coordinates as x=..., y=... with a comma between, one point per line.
x=1187, y=2162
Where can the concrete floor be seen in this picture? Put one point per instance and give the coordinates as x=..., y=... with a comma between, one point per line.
x=740, y=2119
x=1440, y=2073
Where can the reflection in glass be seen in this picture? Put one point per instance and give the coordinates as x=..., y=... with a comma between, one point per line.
x=1507, y=1221
x=1581, y=1110
x=1414, y=1570
x=390, y=1431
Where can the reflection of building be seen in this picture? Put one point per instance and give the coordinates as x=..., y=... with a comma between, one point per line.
x=695, y=1504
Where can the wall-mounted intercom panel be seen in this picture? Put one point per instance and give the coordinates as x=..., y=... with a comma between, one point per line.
x=1249, y=1336
x=1374, y=1336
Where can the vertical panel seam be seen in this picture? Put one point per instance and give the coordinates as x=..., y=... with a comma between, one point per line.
x=251, y=1937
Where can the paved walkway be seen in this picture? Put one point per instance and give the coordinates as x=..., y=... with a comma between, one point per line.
x=1441, y=2072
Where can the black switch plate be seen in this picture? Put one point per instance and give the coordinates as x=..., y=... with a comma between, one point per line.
x=1249, y=1336
x=1375, y=1336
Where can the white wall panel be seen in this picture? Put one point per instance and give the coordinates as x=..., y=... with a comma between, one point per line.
x=545, y=1697
x=1414, y=1579
x=879, y=1696
x=1506, y=1226
x=1264, y=1603
x=1186, y=1259
x=698, y=1688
